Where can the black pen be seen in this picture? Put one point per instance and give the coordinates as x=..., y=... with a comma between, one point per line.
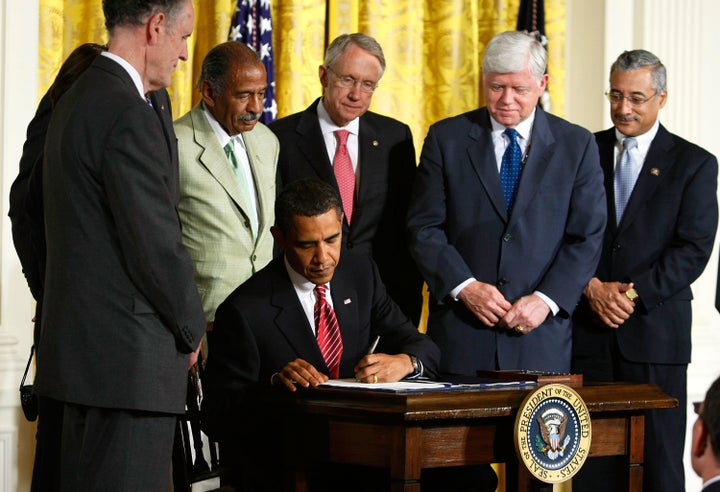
x=374, y=345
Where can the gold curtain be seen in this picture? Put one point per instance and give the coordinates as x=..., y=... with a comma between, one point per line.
x=65, y=24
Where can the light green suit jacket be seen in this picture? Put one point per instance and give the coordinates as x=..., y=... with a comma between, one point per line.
x=215, y=227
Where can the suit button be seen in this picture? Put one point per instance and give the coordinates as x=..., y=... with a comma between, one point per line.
x=507, y=238
x=616, y=247
x=247, y=224
x=501, y=282
x=254, y=257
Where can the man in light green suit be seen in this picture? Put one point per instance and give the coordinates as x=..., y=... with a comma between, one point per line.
x=227, y=174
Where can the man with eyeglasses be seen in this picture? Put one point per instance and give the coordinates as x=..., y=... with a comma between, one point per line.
x=705, y=441
x=634, y=321
x=368, y=158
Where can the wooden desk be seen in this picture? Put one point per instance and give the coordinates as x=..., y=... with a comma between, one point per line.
x=410, y=431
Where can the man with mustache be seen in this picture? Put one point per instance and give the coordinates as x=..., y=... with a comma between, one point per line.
x=227, y=174
x=634, y=320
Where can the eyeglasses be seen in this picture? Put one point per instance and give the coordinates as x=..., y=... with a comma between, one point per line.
x=348, y=82
x=634, y=101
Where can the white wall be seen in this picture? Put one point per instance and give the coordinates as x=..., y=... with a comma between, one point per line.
x=682, y=34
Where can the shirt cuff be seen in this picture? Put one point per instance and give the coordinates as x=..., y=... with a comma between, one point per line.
x=551, y=304
x=456, y=291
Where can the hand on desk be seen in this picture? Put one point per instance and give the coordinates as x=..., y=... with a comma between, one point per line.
x=386, y=368
x=299, y=373
x=609, y=301
x=485, y=301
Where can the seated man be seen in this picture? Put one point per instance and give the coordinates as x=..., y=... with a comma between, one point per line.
x=304, y=318
x=705, y=445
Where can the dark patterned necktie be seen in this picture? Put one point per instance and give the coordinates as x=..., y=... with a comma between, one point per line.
x=328, y=332
x=510, y=169
x=344, y=173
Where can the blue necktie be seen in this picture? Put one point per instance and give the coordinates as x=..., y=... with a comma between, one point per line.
x=624, y=178
x=510, y=169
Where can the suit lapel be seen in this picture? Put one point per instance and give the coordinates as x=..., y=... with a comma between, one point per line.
x=482, y=157
x=312, y=145
x=606, y=146
x=161, y=104
x=536, y=164
x=214, y=159
x=370, y=165
x=291, y=317
x=263, y=171
x=657, y=162
x=345, y=304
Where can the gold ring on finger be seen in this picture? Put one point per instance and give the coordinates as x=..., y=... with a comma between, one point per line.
x=520, y=329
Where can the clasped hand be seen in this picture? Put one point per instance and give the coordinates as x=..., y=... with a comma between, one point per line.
x=609, y=301
x=488, y=304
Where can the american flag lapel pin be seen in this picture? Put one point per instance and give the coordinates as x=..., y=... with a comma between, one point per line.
x=347, y=301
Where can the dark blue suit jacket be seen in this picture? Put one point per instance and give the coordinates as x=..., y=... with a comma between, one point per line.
x=662, y=245
x=459, y=229
x=386, y=171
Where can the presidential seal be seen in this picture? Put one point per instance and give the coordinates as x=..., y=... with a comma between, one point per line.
x=553, y=432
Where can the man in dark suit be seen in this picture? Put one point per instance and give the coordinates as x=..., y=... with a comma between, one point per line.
x=375, y=197
x=634, y=321
x=268, y=331
x=506, y=271
x=121, y=311
x=28, y=230
x=705, y=442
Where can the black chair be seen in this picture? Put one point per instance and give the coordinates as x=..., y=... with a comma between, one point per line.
x=192, y=463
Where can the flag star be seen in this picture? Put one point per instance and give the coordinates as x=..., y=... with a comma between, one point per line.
x=235, y=33
x=265, y=25
x=265, y=51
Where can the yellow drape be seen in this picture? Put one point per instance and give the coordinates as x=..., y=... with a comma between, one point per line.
x=65, y=24
x=433, y=50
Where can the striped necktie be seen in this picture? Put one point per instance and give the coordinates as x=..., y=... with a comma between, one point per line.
x=328, y=332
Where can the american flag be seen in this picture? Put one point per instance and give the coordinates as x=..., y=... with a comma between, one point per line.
x=531, y=18
x=251, y=24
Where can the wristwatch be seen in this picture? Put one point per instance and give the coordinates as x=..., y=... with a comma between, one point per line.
x=417, y=366
x=632, y=294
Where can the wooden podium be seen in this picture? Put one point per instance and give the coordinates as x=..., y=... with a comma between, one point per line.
x=406, y=432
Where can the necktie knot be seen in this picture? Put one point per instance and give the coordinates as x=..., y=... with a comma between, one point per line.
x=511, y=134
x=320, y=291
x=629, y=143
x=341, y=136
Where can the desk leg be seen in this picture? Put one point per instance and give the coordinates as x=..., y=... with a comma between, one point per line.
x=636, y=455
x=406, y=459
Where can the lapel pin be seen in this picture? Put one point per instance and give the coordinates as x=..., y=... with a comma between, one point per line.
x=655, y=171
x=347, y=301
x=375, y=143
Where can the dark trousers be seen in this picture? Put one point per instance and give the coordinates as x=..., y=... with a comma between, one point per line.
x=46, y=469
x=112, y=450
x=664, y=429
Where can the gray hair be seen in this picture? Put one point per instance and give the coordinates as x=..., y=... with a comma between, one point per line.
x=219, y=62
x=512, y=51
x=136, y=12
x=362, y=41
x=637, y=59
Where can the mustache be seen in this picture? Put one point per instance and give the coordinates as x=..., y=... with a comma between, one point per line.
x=627, y=118
x=249, y=117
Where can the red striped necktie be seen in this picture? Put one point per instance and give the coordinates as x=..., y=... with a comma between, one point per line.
x=328, y=332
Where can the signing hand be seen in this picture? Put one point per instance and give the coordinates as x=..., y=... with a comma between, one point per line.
x=299, y=373
x=485, y=301
x=376, y=368
x=608, y=300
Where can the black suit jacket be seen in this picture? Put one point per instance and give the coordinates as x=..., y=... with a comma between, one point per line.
x=261, y=327
x=387, y=169
x=662, y=245
x=121, y=310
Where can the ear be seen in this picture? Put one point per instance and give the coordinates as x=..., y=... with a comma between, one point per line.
x=208, y=96
x=699, y=440
x=663, y=99
x=322, y=73
x=278, y=236
x=153, y=27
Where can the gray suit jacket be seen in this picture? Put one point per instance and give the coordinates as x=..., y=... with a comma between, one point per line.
x=121, y=310
x=213, y=210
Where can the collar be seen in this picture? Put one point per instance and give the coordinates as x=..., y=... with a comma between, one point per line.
x=524, y=128
x=222, y=136
x=643, y=140
x=328, y=126
x=134, y=74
